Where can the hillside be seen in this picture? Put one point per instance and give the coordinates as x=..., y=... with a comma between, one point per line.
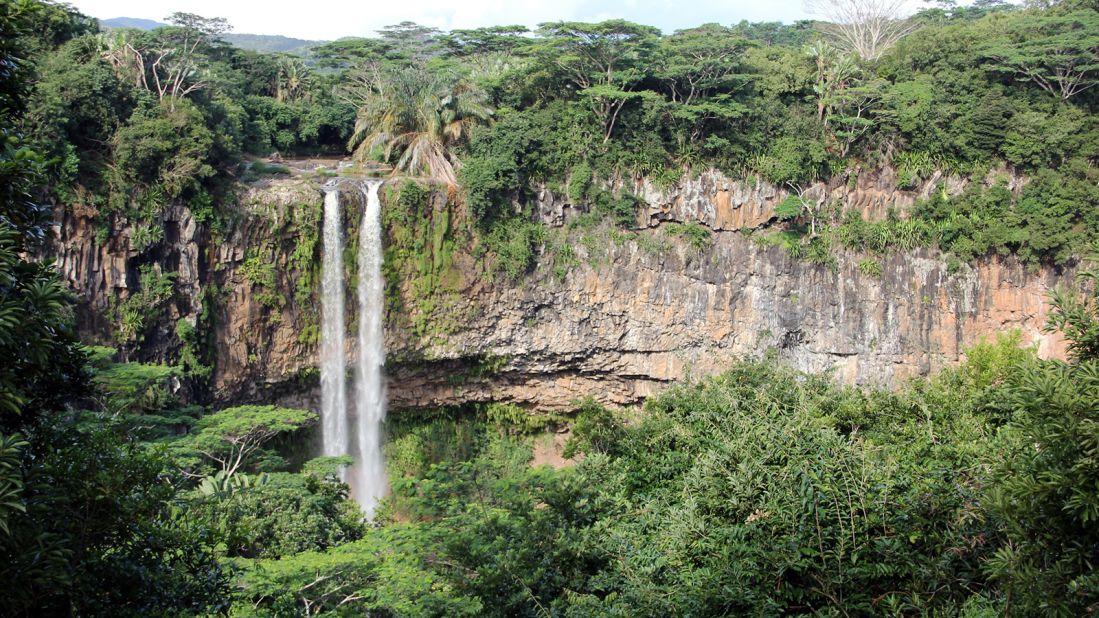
x=269, y=43
x=253, y=42
x=131, y=22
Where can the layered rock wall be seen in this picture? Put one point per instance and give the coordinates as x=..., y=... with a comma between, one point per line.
x=618, y=326
x=622, y=330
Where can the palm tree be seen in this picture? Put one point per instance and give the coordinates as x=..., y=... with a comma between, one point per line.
x=117, y=49
x=418, y=116
x=293, y=81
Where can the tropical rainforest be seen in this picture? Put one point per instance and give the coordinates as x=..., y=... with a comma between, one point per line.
x=760, y=491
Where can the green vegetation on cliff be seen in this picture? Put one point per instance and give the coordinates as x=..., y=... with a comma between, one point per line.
x=997, y=97
x=585, y=105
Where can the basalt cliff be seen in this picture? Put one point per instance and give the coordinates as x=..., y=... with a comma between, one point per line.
x=625, y=316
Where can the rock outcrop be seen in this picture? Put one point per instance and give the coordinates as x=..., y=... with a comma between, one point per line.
x=618, y=326
x=104, y=269
x=622, y=330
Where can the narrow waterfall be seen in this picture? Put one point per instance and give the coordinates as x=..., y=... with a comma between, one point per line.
x=368, y=476
x=333, y=360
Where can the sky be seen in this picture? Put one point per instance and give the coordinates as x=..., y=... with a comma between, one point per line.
x=333, y=19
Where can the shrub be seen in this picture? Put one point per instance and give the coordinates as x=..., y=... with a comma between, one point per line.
x=514, y=245
x=870, y=267
x=264, y=168
x=286, y=515
x=696, y=235
x=259, y=271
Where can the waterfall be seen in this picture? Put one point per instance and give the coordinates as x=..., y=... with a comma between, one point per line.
x=368, y=476
x=333, y=361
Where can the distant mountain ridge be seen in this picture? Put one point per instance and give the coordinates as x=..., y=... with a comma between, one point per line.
x=254, y=42
x=131, y=22
x=269, y=43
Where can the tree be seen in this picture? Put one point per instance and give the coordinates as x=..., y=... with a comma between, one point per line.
x=701, y=72
x=1043, y=489
x=417, y=115
x=1076, y=314
x=231, y=438
x=853, y=113
x=277, y=515
x=78, y=103
x=502, y=40
x=103, y=535
x=799, y=205
x=1059, y=52
x=347, y=53
x=43, y=364
x=844, y=100
x=948, y=10
x=834, y=72
x=293, y=80
x=165, y=149
x=389, y=572
x=865, y=28
x=774, y=33
x=700, y=62
x=170, y=58
x=411, y=40
x=606, y=62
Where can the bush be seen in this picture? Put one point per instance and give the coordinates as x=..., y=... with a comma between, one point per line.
x=264, y=168
x=515, y=246
x=143, y=306
x=164, y=150
x=286, y=515
x=870, y=267
x=259, y=271
x=696, y=235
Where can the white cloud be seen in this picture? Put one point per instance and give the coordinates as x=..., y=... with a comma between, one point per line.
x=332, y=19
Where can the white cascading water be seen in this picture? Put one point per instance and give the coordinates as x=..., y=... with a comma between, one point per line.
x=368, y=475
x=334, y=436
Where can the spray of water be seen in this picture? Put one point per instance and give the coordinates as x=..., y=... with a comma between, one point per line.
x=333, y=362
x=343, y=433
x=368, y=475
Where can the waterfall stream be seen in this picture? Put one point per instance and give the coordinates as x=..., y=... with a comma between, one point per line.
x=333, y=361
x=361, y=439
x=368, y=476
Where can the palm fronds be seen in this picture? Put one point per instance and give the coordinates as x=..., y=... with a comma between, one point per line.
x=417, y=117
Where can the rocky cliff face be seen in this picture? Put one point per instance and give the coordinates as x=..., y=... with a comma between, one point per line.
x=630, y=317
x=621, y=330
x=104, y=269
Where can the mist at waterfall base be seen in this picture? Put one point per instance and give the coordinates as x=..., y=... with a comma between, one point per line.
x=357, y=430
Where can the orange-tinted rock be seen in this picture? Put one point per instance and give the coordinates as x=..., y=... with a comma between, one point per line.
x=618, y=328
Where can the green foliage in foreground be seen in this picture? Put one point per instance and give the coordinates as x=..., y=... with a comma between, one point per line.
x=384, y=573
x=103, y=534
x=762, y=491
x=87, y=523
x=235, y=438
x=283, y=515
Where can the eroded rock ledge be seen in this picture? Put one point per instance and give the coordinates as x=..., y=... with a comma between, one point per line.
x=617, y=329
